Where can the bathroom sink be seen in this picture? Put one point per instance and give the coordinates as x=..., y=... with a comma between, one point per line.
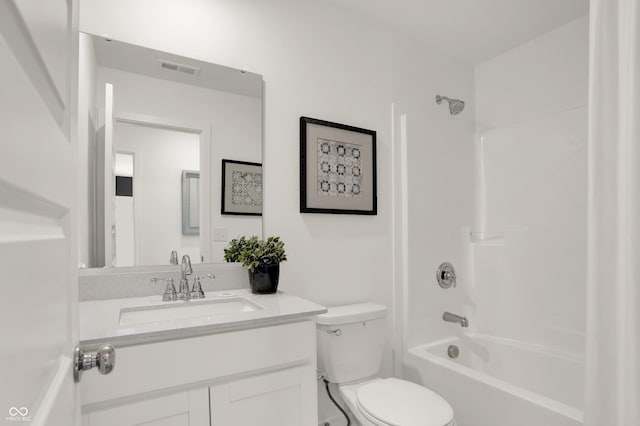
x=199, y=310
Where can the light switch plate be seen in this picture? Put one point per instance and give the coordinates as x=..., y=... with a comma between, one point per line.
x=219, y=234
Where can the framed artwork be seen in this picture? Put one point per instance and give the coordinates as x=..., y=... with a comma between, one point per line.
x=241, y=188
x=337, y=168
x=190, y=202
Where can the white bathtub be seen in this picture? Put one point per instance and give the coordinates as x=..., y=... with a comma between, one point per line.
x=499, y=382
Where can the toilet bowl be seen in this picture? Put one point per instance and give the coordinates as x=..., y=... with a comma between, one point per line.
x=395, y=402
x=350, y=346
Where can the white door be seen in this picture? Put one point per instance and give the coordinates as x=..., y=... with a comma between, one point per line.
x=38, y=303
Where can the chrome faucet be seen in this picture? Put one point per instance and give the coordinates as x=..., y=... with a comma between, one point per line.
x=185, y=269
x=174, y=258
x=449, y=317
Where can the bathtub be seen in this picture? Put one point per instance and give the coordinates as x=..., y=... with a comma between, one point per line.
x=500, y=382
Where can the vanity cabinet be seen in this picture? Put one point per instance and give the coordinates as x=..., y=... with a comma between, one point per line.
x=259, y=376
x=275, y=398
x=190, y=408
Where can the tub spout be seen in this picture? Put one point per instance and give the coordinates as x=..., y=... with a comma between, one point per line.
x=449, y=317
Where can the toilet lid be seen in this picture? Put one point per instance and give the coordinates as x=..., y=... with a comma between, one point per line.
x=400, y=403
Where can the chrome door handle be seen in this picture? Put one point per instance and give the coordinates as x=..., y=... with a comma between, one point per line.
x=104, y=359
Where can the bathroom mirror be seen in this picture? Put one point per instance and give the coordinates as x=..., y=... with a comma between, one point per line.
x=154, y=129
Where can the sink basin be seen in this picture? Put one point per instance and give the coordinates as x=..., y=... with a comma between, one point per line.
x=198, y=310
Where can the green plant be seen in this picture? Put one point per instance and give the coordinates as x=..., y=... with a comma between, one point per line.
x=235, y=247
x=253, y=252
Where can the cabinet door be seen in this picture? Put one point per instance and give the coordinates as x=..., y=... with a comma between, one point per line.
x=281, y=398
x=181, y=409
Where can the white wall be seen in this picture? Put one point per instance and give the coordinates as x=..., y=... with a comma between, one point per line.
x=321, y=61
x=125, y=232
x=529, y=246
x=124, y=214
x=159, y=156
x=234, y=123
x=336, y=71
x=544, y=76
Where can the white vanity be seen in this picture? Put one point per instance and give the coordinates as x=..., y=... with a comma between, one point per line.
x=233, y=358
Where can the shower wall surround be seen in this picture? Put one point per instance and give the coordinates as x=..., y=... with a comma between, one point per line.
x=529, y=234
x=503, y=198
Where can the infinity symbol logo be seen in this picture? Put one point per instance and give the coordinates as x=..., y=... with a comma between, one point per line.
x=14, y=411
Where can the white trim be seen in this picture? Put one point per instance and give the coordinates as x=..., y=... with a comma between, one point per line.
x=156, y=121
x=404, y=161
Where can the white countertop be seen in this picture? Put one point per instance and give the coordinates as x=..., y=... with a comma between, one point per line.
x=100, y=319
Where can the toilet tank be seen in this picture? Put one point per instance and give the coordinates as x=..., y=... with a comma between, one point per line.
x=351, y=341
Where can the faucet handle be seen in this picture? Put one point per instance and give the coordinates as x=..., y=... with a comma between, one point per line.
x=196, y=291
x=205, y=277
x=170, y=291
x=174, y=258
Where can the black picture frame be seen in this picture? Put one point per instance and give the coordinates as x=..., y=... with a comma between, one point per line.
x=227, y=206
x=337, y=194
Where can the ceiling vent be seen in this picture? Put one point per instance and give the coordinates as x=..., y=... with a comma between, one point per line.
x=179, y=67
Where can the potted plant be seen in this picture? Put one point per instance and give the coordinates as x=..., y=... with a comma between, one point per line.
x=262, y=258
x=235, y=247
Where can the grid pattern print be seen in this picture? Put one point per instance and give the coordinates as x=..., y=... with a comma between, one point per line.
x=339, y=169
x=246, y=188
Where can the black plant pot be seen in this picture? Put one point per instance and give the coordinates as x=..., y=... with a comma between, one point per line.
x=264, y=280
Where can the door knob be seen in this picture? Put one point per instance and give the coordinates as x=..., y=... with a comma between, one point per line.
x=104, y=359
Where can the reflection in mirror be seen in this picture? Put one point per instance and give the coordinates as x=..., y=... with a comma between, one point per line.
x=190, y=202
x=154, y=128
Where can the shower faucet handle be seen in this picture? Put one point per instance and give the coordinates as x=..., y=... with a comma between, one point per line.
x=446, y=275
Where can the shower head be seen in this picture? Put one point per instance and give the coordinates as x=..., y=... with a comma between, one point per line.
x=455, y=105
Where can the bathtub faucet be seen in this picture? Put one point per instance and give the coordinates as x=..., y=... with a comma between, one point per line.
x=449, y=317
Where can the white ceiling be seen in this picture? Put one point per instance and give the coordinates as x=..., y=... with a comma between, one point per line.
x=471, y=30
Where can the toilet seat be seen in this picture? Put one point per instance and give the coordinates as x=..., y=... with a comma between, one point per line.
x=395, y=402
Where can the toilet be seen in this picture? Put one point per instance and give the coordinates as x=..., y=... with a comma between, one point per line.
x=350, y=346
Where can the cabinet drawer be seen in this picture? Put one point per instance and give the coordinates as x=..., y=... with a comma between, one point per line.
x=180, y=362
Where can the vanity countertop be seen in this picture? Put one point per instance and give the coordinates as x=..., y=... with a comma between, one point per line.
x=100, y=319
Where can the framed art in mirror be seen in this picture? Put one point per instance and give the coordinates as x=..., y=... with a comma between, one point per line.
x=337, y=168
x=241, y=188
x=190, y=202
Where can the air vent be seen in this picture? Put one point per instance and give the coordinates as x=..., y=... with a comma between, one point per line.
x=179, y=67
